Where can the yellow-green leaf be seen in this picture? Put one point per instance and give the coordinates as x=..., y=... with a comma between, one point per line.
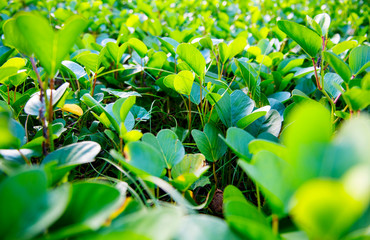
x=73, y=108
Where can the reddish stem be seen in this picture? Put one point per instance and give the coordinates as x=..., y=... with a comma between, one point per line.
x=93, y=88
x=316, y=76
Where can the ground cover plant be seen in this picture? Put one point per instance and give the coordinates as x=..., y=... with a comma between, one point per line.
x=184, y=119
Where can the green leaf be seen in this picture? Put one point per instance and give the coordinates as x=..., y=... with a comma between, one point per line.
x=308, y=132
x=169, y=81
x=18, y=79
x=126, y=106
x=5, y=73
x=288, y=64
x=156, y=61
x=142, y=225
x=243, y=217
x=74, y=68
x=64, y=159
x=359, y=59
x=323, y=21
x=116, y=52
x=314, y=25
x=168, y=144
x=247, y=120
x=274, y=176
x=89, y=60
x=249, y=75
x=209, y=143
x=223, y=50
x=14, y=37
x=206, y=42
x=132, y=136
x=99, y=110
x=82, y=215
x=343, y=46
x=258, y=145
x=27, y=207
x=138, y=46
x=324, y=208
x=357, y=98
x=49, y=47
x=338, y=65
x=183, y=82
x=237, y=46
x=192, y=56
x=170, y=44
x=237, y=140
x=143, y=157
x=74, y=154
x=332, y=82
x=8, y=140
x=269, y=123
x=189, y=170
x=310, y=41
x=232, y=108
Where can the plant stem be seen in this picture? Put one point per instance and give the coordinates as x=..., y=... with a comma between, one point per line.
x=210, y=115
x=337, y=98
x=169, y=173
x=189, y=120
x=93, y=88
x=15, y=94
x=51, y=100
x=316, y=76
x=214, y=173
x=8, y=95
x=275, y=224
x=201, y=90
x=222, y=70
x=258, y=197
x=175, y=64
x=41, y=110
x=24, y=158
x=121, y=145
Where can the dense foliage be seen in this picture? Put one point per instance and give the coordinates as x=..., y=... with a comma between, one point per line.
x=172, y=119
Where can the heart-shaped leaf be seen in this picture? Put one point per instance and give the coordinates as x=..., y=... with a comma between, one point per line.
x=183, y=82
x=192, y=56
x=169, y=145
x=209, y=143
x=155, y=62
x=237, y=140
x=116, y=52
x=186, y=172
x=48, y=46
x=232, y=108
x=138, y=46
x=143, y=159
